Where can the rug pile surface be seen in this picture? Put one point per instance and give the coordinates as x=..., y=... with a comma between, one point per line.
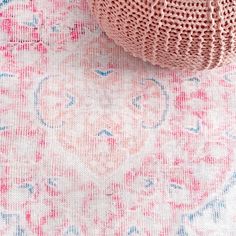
x=94, y=142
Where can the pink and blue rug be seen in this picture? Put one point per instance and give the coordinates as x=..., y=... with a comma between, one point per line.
x=96, y=143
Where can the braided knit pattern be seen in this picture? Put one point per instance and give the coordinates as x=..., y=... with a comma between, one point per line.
x=179, y=34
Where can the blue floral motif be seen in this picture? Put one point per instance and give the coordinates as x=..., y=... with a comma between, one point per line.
x=195, y=129
x=136, y=102
x=33, y=23
x=37, y=106
x=133, y=230
x=72, y=230
x=4, y=2
x=7, y=218
x=215, y=208
x=105, y=132
x=28, y=186
x=103, y=73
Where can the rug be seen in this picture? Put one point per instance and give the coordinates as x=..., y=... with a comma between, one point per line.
x=94, y=142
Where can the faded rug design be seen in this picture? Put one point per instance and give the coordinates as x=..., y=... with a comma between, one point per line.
x=94, y=142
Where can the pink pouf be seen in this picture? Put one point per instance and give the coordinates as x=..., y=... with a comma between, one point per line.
x=181, y=34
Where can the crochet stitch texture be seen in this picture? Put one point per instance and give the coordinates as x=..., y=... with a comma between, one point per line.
x=179, y=34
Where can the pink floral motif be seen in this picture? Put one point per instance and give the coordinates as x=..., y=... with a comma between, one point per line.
x=66, y=25
x=136, y=224
x=187, y=163
x=102, y=145
x=15, y=146
x=105, y=209
x=21, y=22
x=10, y=99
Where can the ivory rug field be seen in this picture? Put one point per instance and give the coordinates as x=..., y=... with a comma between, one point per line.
x=94, y=142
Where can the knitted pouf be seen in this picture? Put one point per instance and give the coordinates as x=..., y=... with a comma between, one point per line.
x=181, y=34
